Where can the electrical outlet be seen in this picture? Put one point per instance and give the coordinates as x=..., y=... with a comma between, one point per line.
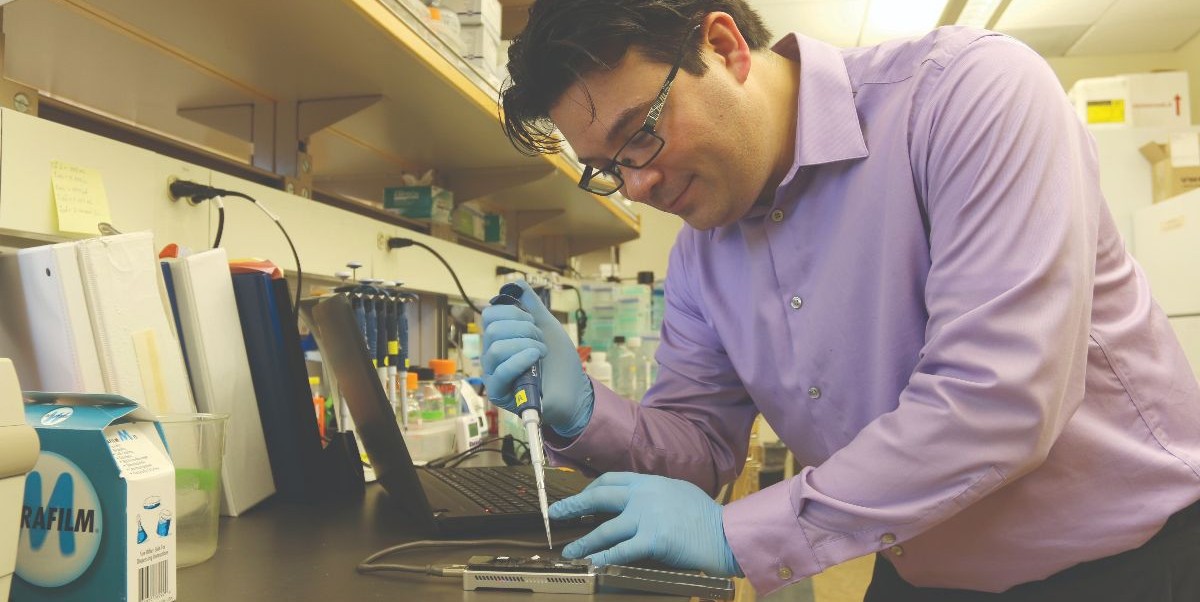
x=381, y=241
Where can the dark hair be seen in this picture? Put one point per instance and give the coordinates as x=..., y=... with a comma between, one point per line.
x=567, y=39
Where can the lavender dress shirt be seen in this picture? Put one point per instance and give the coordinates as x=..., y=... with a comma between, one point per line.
x=986, y=407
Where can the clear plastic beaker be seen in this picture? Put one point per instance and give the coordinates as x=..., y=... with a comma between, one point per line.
x=196, y=443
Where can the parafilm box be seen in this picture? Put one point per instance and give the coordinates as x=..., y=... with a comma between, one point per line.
x=97, y=518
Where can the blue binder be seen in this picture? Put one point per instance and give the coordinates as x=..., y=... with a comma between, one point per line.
x=281, y=385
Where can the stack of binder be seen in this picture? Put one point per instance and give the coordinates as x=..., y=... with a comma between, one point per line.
x=305, y=467
x=90, y=317
x=201, y=290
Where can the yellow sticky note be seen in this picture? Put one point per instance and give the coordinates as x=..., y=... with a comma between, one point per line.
x=521, y=398
x=79, y=198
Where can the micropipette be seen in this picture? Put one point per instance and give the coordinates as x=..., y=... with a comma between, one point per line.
x=527, y=392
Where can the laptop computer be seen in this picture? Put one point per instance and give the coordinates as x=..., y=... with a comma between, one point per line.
x=458, y=500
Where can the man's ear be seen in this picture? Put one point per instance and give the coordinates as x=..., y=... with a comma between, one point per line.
x=721, y=35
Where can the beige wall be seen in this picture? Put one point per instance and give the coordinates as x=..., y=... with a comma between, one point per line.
x=649, y=252
x=1189, y=58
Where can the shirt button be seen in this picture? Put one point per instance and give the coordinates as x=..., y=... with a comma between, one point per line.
x=815, y=393
x=897, y=550
x=797, y=302
x=777, y=215
x=888, y=539
x=784, y=573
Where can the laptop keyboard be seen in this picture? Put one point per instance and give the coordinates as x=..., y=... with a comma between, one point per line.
x=499, y=490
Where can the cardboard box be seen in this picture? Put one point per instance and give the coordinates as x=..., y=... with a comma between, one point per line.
x=476, y=12
x=430, y=203
x=481, y=47
x=1174, y=173
x=98, y=517
x=1134, y=100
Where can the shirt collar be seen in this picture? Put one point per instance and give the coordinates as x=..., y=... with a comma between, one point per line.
x=827, y=125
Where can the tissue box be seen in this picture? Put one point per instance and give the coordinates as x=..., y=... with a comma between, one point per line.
x=97, y=523
x=495, y=229
x=420, y=202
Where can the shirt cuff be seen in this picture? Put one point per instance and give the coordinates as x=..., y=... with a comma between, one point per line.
x=605, y=442
x=767, y=541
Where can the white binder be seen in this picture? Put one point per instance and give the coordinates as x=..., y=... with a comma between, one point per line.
x=220, y=372
x=44, y=323
x=139, y=354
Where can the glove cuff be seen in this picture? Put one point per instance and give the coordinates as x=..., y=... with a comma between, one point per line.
x=583, y=412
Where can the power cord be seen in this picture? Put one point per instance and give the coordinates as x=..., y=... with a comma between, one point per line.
x=197, y=193
x=400, y=243
x=581, y=318
x=505, y=270
x=508, y=452
x=453, y=570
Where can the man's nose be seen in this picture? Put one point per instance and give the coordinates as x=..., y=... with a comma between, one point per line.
x=642, y=184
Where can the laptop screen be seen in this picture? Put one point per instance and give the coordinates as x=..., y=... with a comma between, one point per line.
x=345, y=355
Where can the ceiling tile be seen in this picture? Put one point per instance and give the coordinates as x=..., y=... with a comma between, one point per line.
x=1049, y=41
x=834, y=21
x=1150, y=10
x=1024, y=14
x=1128, y=37
x=890, y=19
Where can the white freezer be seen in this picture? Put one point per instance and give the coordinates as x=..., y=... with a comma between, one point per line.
x=1125, y=177
x=1188, y=331
x=1168, y=235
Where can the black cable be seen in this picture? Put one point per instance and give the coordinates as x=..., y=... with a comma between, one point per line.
x=439, y=462
x=400, y=243
x=581, y=318
x=504, y=270
x=220, y=223
x=201, y=192
x=475, y=452
x=366, y=565
x=478, y=448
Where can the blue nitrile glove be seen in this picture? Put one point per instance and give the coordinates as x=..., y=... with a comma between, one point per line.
x=513, y=340
x=668, y=520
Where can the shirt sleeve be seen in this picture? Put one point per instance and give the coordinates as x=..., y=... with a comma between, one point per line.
x=693, y=424
x=1003, y=166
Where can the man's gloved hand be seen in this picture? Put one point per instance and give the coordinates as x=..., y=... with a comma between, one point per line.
x=669, y=520
x=513, y=340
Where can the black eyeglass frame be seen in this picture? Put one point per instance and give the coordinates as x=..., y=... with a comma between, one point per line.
x=613, y=169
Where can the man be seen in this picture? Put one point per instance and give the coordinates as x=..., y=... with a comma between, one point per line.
x=901, y=257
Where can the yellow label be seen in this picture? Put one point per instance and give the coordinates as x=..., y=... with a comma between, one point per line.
x=1106, y=111
x=79, y=198
x=521, y=397
x=393, y=347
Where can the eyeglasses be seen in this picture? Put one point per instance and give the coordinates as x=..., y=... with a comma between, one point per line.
x=641, y=148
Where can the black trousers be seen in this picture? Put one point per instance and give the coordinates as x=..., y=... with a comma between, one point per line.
x=1164, y=569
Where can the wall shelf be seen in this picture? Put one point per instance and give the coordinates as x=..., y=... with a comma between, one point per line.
x=141, y=63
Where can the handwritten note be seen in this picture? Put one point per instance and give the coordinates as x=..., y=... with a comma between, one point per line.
x=78, y=197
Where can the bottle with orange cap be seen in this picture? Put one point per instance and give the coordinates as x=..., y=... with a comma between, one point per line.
x=412, y=401
x=443, y=379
